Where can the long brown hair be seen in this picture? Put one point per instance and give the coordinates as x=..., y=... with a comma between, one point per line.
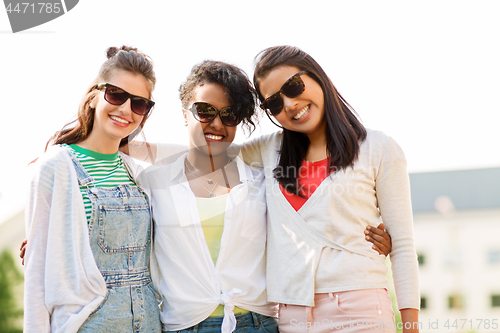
x=125, y=58
x=344, y=131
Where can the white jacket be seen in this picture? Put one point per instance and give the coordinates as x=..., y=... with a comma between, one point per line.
x=62, y=283
x=321, y=247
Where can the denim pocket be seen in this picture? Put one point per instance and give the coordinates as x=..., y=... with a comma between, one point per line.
x=124, y=228
x=269, y=325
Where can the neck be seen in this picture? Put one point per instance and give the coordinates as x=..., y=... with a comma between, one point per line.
x=317, y=150
x=205, y=164
x=100, y=146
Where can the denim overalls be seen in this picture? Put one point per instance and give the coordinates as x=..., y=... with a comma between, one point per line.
x=120, y=238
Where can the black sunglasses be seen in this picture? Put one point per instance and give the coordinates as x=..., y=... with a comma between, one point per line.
x=292, y=88
x=205, y=113
x=117, y=96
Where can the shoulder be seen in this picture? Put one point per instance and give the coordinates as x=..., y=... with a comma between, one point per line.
x=263, y=140
x=376, y=136
x=133, y=165
x=274, y=137
x=379, y=141
x=54, y=166
x=381, y=150
x=251, y=172
x=166, y=170
x=55, y=158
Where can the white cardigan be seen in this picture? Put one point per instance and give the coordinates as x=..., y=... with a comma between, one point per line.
x=321, y=248
x=189, y=284
x=62, y=283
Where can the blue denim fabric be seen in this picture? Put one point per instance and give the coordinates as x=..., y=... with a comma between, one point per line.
x=250, y=322
x=120, y=238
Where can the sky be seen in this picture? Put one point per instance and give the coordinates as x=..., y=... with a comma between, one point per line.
x=426, y=73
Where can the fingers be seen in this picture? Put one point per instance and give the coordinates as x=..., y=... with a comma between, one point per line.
x=380, y=239
x=23, y=250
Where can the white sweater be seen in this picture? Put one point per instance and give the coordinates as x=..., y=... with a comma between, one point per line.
x=321, y=247
x=62, y=282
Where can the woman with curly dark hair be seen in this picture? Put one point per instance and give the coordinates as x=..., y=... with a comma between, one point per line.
x=210, y=214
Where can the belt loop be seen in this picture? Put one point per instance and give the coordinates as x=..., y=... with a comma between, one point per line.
x=309, y=316
x=256, y=321
x=195, y=328
x=331, y=296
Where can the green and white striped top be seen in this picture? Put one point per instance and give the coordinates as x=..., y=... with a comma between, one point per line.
x=108, y=170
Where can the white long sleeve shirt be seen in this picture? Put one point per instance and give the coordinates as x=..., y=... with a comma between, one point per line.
x=190, y=285
x=321, y=247
x=63, y=284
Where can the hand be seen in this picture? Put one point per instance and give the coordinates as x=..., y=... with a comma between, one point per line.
x=23, y=249
x=381, y=240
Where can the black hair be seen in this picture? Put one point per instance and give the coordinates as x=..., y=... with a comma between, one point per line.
x=344, y=131
x=237, y=86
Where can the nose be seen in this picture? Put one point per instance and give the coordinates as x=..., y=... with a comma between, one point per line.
x=126, y=108
x=216, y=123
x=288, y=103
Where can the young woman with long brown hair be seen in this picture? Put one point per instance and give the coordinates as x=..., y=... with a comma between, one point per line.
x=328, y=178
x=88, y=223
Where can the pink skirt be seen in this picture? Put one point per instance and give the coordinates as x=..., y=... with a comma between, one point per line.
x=367, y=310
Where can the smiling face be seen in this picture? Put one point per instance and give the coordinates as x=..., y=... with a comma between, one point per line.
x=114, y=122
x=213, y=137
x=304, y=113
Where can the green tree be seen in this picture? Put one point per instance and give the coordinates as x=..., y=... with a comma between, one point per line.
x=10, y=277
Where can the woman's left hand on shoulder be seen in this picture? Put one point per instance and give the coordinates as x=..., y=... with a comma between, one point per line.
x=381, y=240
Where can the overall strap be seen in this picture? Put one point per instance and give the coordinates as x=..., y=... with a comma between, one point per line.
x=84, y=179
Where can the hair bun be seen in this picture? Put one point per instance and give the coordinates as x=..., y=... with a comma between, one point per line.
x=112, y=51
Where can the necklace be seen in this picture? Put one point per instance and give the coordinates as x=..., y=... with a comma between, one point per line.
x=210, y=181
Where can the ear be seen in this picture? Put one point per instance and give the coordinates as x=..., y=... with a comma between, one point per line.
x=185, y=115
x=93, y=102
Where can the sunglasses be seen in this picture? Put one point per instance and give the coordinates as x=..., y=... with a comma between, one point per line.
x=205, y=113
x=117, y=96
x=292, y=88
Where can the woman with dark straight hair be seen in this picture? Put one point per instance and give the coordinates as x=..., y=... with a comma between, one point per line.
x=328, y=178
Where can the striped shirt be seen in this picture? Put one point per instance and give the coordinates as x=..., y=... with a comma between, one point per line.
x=107, y=170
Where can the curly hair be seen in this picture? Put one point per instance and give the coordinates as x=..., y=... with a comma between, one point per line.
x=236, y=84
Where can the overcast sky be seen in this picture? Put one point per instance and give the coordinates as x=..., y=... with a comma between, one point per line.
x=426, y=73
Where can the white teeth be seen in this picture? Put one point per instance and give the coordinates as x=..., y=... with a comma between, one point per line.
x=120, y=120
x=301, y=113
x=213, y=137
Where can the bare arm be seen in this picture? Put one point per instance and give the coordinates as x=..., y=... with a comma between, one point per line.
x=409, y=317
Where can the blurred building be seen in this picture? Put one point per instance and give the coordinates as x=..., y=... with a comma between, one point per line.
x=457, y=235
